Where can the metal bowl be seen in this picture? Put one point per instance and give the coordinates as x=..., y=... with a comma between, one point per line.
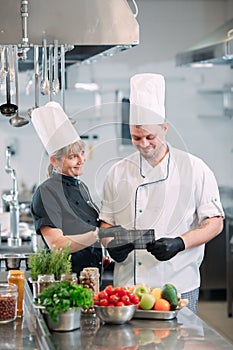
x=12, y=261
x=68, y=321
x=115, y=314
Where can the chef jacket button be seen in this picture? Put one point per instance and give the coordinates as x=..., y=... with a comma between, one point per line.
x=88, y=202
x=139, y=263
x=77, y=203
x=140, y=210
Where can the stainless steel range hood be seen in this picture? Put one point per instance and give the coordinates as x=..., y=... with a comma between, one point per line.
x=216, y=49
x=92, y=27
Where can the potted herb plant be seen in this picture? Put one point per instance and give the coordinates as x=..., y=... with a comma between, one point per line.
x=62, y=304
x=56, y=261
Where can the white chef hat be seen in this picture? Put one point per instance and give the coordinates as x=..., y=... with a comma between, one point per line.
x=147, y=99
x=53, y=127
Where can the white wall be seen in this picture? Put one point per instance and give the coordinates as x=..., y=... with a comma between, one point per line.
x=166, y=27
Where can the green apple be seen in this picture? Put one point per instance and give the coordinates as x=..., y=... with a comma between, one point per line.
x=141, y=289
x=147, y=301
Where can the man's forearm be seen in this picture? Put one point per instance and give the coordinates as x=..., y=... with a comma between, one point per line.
x=207, y=230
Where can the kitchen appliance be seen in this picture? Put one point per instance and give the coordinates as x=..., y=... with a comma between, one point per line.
x=215, y=49
x=87, y=28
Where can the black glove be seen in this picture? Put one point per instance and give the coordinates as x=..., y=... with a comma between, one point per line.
x=118, y=232
x=120, y=252
x=165, y=248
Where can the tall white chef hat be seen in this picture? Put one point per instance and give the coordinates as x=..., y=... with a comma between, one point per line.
x=147, y=99
x=53, y=127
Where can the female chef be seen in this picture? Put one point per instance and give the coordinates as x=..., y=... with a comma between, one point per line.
x=62, y=208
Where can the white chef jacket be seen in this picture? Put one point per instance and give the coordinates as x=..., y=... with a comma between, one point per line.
x=171, y=198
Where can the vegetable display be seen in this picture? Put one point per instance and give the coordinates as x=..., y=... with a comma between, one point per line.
x=146, y=298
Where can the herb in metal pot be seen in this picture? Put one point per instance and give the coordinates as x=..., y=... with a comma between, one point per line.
x=56, y=261
x=61, y=296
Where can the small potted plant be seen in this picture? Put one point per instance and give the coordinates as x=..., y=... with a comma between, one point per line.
x=54, y=262
x=62, y=304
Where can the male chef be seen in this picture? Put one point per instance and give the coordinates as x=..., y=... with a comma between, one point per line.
x=162, y=188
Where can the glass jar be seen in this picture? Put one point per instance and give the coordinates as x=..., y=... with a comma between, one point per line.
x=44, y=281
x=17, y=277
x=69, y=277
x=89, y=278
x=8, y=302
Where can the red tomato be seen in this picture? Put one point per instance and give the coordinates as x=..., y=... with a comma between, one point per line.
x=120, y=291
x=110, y=304
x=134, y=299
x=120, y=303
x=126, y=299
x=113, y=298
x=103, y=295
x=103, y=302
x=110, y=290
x=96, y=300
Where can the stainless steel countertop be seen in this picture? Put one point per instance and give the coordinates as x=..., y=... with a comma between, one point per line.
x=187, y=331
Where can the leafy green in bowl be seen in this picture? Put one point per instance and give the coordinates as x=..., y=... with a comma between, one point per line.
x=62, y=296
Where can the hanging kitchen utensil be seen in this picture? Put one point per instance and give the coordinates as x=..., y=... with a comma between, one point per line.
x=36, y=77
x=11, y=64
x=50, y=72
x=17, y=121
x=8, y=109
x=63, y=81
x=56, y=84
x=3, y=71
x=44, y=85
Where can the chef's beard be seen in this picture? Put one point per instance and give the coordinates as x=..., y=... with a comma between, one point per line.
x=155, y=153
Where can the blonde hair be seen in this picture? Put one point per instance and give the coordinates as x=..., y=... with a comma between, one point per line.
x=75, y=147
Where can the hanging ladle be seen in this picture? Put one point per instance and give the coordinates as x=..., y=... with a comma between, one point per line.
x=8, y=109
x=17, y=121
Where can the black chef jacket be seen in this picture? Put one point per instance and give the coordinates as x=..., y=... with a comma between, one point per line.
x=64, y=202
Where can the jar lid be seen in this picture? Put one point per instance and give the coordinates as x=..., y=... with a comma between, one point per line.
x=16, y=272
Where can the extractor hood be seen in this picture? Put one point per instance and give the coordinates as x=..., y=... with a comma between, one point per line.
x=216, y=49
x=89, y=27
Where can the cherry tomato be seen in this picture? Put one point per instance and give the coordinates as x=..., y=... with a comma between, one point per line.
x=96, y=300
x=134, y=299
x=103, y=295
x=109, y=290
x=120, y=291
x=120, y=303
x=114, y=298
x=126, y=299
x=103, y=302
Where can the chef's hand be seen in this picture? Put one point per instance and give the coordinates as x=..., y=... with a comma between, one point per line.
x=118, y=232
x=119, y=247
x=119, y=252
x=165, y=248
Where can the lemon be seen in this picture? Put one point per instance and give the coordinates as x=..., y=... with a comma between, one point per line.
x=157, y=293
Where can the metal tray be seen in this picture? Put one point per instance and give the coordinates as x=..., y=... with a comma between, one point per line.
x=156, y=315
